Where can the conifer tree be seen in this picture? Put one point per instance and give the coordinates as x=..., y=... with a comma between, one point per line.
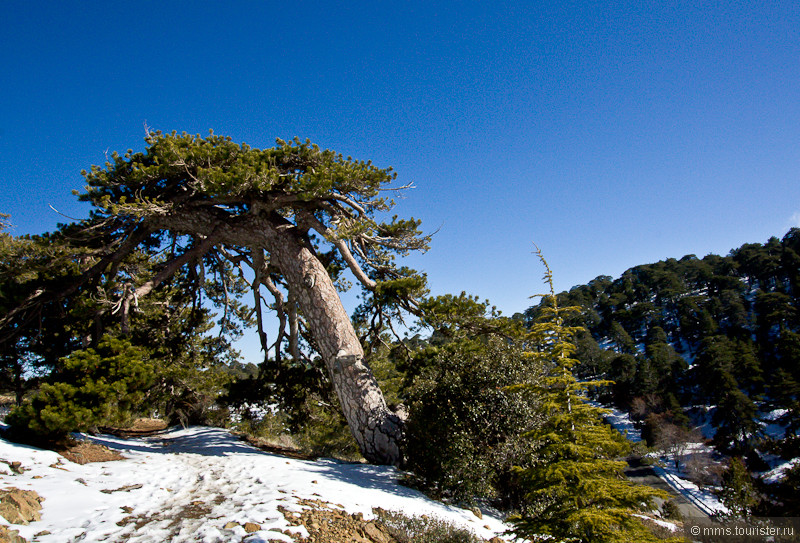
x=738, y=492
x=576, y=489
x=96, y=386
x=290, y=219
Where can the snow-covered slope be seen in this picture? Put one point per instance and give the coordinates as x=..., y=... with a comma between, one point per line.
x=188, y=484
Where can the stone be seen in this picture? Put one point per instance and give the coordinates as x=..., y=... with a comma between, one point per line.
x=374, y=533
x=11, y=536
x=231, y=525
x=20, y=506
x=251, y=527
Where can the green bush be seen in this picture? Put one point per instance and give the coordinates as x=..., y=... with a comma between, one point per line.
x=463, y=431
x=102, y=386
x=670, y=510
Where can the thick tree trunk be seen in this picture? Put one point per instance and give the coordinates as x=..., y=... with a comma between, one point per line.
x=377, y=430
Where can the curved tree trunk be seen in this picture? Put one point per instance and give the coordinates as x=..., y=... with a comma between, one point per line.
x=377, y=430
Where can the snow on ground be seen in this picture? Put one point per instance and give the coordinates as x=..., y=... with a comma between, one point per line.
x=777, y=473
x=185, y=485
x=620, y=421
x=770, y=425
x=702, y=498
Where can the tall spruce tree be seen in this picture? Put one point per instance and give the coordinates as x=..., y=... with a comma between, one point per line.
x=576, y=489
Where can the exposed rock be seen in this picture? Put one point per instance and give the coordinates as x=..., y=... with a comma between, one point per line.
x=231, y=525
x=10, y=536
x=83, y=452
x=328, y=524
x=376, y=534
x=251, y=527
x=126, y=488
x=20, y=506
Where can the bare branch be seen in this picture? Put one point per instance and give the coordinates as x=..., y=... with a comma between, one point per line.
x=344, y=250
x=165, y=273
x=352, y=203
x=63, y=215
x=258, y=267
x=280, y=310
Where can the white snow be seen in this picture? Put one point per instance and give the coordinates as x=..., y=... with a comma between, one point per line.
x=778, y=472
x=620, y=421
x=671, y=526
x=702, y=498
x=166, y=477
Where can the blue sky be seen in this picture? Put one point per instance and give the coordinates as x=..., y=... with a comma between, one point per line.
x=609, y=133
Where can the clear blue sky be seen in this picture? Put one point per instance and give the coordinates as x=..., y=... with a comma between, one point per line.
x=610, y=133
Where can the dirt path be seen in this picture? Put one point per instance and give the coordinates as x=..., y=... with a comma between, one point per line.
x=645, y=475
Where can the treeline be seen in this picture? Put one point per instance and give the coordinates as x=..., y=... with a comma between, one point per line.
x=717, y=336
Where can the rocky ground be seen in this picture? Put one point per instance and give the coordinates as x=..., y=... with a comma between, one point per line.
x=204, y=484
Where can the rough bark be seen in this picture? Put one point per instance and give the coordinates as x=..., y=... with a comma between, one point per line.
x=377, y=430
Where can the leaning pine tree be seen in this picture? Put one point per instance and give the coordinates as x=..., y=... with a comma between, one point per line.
x=290, y=219
x=575, y=489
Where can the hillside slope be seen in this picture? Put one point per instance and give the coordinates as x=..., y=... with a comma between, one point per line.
x=203, y=484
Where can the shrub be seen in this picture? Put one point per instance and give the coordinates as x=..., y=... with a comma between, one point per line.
x=424, y=529
x=671, y=511
x=325, y=432
x=463, y=431
x=97, y=386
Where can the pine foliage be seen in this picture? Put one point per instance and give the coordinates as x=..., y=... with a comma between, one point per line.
x=97, y=386
x=576, y=490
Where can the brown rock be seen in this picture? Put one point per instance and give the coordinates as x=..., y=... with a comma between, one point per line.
x=231, y=525
x=374, y=533
x=83, y=452
x=20, y=506
x=10, y=536
x=477, y=512
x=251, y=527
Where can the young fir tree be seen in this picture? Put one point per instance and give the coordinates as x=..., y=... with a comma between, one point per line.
x=738, y=492
x=576, y=489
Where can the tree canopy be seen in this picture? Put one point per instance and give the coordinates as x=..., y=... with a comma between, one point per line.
x=283, y=223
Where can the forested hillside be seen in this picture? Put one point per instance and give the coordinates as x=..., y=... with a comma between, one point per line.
x=711, y=341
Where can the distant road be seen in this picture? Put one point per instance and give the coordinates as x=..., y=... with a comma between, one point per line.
x=643, y=474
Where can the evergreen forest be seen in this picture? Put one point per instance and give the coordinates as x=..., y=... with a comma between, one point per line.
x=710, y=345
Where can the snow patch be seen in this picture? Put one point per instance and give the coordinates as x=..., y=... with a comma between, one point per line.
x=185, y=485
